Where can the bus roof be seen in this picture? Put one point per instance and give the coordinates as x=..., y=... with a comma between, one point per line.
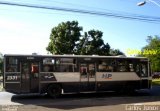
x=74, y=56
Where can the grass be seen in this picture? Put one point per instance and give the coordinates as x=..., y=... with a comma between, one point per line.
x=155, y=81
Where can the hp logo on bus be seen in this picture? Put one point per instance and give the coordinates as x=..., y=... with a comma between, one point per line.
x=107, y=76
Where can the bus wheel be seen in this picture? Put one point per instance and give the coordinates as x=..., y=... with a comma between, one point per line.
x=54, y=91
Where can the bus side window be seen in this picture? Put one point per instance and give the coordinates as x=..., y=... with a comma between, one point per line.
x=105, y=65
x=34, y=70
x=137, y=68
x=122, y=65
x=131, y=68
x=114, y=65
x=46, y=68
x=66, y=65
x=83, y=71
x=10, y=69
x=12, y=64
x=91, y=70
x=48, y=65
x=143, y=70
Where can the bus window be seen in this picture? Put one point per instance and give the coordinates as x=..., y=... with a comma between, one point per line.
x=48, y=65
x=122, y=66
x=144, y=70
x=131, y=65
x=34, y=70
x=131, y=68
x=141, y=69
x=25, y=71
x=83, y=70
x=105, y=65
x=12, y=65
x=137, y=68
x=66, y=65
x=102, y=66
x=91, y=70
x=46, y=68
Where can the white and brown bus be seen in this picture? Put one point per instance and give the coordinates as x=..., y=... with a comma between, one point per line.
x=54, y=74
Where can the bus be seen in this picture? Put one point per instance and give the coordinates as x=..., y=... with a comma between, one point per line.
x=58, y=74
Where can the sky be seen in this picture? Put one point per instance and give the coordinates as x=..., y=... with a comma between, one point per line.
x=27, y=30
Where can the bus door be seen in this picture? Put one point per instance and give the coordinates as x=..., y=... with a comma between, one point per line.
x=29, y=77
x=87, y=76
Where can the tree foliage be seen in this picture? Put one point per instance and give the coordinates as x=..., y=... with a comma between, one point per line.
x=153, y=45
x=115, y=52
x=66, y=38
x=92, y=43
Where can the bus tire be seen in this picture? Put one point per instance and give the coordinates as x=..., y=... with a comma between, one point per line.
x=54, y=91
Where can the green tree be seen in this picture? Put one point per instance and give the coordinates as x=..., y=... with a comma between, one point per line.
x=115, y=52
x=64, y=38
x=148, y=51
x=92, y=43
x=106, y=49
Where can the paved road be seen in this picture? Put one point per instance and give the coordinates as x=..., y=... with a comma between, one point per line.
x=99, y=101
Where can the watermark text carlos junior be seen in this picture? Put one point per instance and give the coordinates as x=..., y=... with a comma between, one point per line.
x=141, y=107
x=144, y=52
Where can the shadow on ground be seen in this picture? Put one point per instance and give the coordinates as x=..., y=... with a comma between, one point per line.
x=73, y=101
